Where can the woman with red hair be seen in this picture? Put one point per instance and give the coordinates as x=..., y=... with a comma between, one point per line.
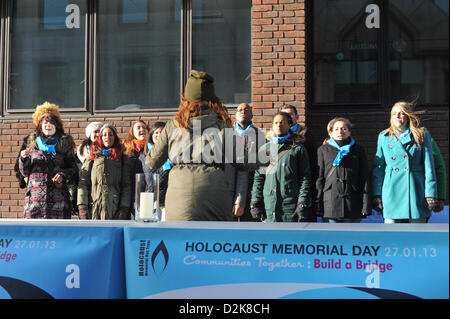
x=104, y=186
x=198, y=187
x=135, y=150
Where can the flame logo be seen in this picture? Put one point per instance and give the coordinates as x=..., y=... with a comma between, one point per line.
x=19, y=289
x=160, y=249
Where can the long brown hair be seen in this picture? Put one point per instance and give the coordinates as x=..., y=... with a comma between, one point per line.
x=188, y=109
x=97, y=145
x=413, y=121
x=128, y=141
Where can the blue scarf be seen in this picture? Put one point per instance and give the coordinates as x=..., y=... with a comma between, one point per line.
x=294, y=128
x=343, y=150
x=47, y=144
x=167, y=165
x=403, y=136
x=277, y=139
x=106, y=152
x=242, y=131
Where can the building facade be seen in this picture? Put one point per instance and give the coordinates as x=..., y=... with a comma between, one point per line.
x=119, y=60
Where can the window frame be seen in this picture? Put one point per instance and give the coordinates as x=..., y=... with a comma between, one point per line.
x=91, y=63
x=384, y=80
x=6, y=17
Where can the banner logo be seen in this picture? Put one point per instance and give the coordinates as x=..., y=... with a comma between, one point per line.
x=160, y=249
x=19, y=289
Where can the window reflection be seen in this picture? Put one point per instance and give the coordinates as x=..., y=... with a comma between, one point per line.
x=345, y=53
x=138, y=62
x=222, y=46
x=418, y=51
x=47, y=58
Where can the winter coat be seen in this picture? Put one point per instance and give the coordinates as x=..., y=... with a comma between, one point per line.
x=441, y=174
x=404, y=175
x=198, y=188
x=105, y=186
x=308, y=215
x=20, y=178
x=135, y=167
x=83, y=150
x=343, y=191
x=44, y=198
x=241, y=183
x=282, y=186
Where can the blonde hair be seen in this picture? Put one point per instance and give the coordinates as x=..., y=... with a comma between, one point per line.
x=339, y=119
x=413, y=121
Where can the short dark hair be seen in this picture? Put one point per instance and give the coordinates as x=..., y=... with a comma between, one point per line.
x=284, y=114
x=288, y=106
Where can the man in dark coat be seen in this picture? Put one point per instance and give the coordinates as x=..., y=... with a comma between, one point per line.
x=241, y=181
x=308, y=214
x=282, y=191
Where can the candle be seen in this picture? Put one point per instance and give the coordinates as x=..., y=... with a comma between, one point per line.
x=146, y=205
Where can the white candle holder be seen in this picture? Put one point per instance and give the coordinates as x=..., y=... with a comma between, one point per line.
x=146, y=204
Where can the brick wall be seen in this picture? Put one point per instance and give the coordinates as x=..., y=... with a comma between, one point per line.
x=278, y=57
x=278, y=77
x=12, y=131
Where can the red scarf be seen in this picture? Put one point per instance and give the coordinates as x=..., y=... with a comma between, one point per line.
x=139, y=144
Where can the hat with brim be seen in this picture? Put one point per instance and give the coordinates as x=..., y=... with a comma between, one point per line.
x=199, y=87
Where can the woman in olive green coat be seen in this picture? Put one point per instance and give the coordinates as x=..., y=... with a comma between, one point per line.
x=105, y=184
x=198, y=187
x=282, y=191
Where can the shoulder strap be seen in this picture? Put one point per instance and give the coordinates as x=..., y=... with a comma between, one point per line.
x=280, y=155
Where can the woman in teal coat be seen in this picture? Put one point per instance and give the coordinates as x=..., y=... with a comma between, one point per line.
x=404, y=179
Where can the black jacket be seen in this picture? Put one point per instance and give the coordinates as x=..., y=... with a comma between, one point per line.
x=344, y=191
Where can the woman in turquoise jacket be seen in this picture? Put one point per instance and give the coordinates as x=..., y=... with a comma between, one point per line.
x=404, y=178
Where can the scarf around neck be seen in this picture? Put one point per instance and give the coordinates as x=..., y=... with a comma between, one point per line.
x=279, y=139
x=241, y=131
x=47, y=144
x=139, y=144
x=404, y=135
x=343, y=150
x=106, y=152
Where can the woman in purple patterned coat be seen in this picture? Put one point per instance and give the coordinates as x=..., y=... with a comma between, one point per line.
x=49, y=162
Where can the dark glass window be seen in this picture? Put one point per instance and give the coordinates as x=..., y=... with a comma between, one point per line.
x=139, y=55
x=345, y=53
x=47, y=54
x=221, y=45
x=405, y=58
x=122, y=54
x=418, y=51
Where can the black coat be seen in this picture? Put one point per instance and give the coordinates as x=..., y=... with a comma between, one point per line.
x=345, y=192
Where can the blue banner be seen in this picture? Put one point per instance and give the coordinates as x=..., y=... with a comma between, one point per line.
x=244, y=260
x=59, y=261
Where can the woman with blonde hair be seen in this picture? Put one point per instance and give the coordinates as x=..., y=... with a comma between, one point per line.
x=198, y=188
x=404, y=179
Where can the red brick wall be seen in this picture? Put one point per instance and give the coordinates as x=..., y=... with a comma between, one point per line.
x=278, y=57
x=12, y=132
x=278, y=77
